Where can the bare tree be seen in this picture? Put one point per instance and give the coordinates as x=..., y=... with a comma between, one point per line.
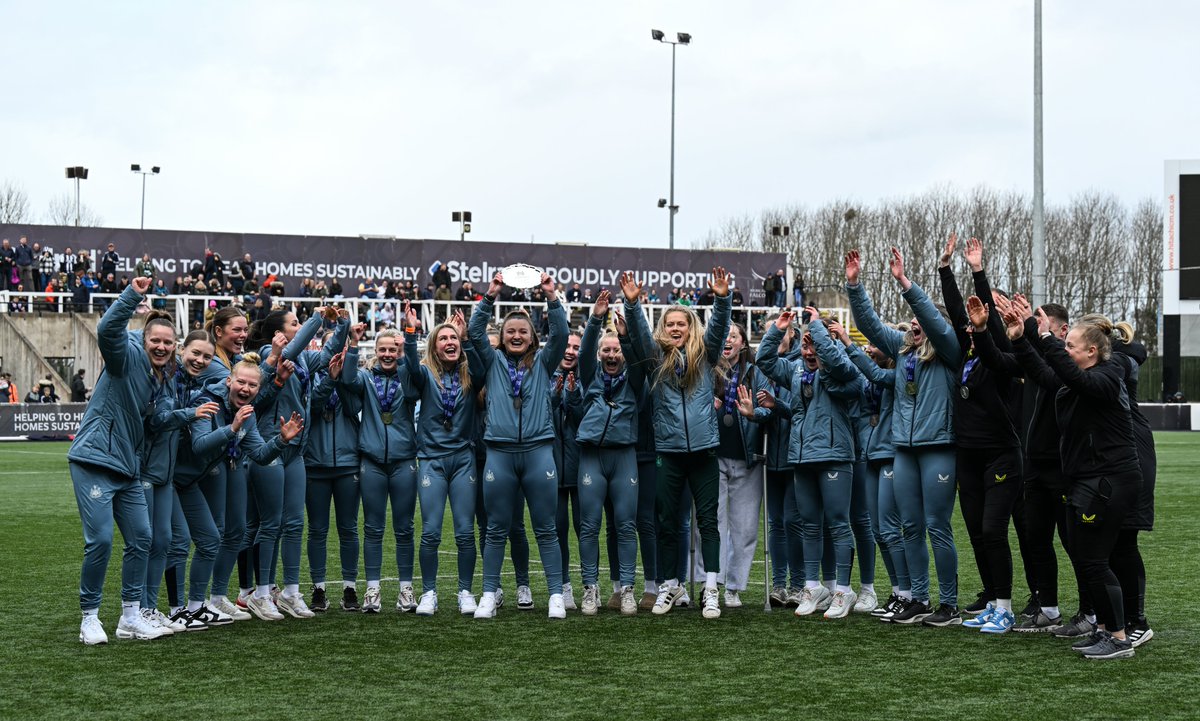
x=14, y=203
x=61, y=211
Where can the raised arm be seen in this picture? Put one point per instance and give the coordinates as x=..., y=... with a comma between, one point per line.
x=1004, y=362
x=333, y=344
x=870, y=369
x=886, y=339
x=935, y=327
x=299, y=342
x=351, y=379
x=113, y=332
x=588, y=347
x=953, y=300
x=552, y=353
x=1094, y=383
x=477, y=327
x=718, y=325
x=768, y=361
x=829, y=352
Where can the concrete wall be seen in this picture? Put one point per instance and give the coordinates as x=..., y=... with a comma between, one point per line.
x=27, y=339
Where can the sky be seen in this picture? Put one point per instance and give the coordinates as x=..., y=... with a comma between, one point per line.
x=550, y=121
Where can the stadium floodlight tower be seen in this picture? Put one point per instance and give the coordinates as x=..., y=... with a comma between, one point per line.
x=672, y=208
x=155, y=170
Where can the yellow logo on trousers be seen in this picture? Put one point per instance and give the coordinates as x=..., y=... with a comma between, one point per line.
x=1088, y=519
x=1000, y=478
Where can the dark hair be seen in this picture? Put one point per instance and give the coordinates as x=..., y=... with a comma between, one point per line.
x=195, y=336
x=222, y=318
x=262, y=331
x=1057, y=312
x=158, y=317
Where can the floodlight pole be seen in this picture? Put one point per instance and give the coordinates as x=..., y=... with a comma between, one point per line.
x=1039, y=211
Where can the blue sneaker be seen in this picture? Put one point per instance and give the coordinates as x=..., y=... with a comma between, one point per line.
x=1001, y=621
x=982, y=619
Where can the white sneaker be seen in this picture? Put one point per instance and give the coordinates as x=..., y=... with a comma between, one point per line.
x=557, y=606
x=155, y=618
x=568, y=597
x=428, y=604
x=466, y=603
x=91, y=630
x=591, y=600
x=223, y=605
x=181, y=620
x=406, y=602
x=524, y=598
x=733, y=598
x=867, y=601
x=264, y=608
x=176, y=625
x=371, y=602
x=841, y=604
x=293, y=606
x=823, y=604
x=500, y=597
x=810, y=598
x=629, y=604
x=139, y=628
x=712, y=603
x=684, y=599
x=212, y=617
x=243, y=599
x=668, y=598
x=486, y=607
x=792, y=597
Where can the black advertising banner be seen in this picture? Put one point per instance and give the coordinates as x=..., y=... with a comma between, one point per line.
x=40, y=421
x=353, y=259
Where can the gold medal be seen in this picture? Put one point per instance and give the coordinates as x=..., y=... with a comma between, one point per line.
x=910, y=388
x=387, y=418
x=874, y=420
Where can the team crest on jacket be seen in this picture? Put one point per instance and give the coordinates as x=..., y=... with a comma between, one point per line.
x=587, y=479
x=489, y=476
x=146, y=485
x=96, y=494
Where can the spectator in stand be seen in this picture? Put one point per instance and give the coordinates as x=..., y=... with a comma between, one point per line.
x=441, y=274
x=8, y=389
x=427, y=294
x=67, y=267
x=46, y=387
x=798, y=294
x=465, y=292
x=52, y=300
x=47, y=266
x=652, y=296
x=91, y=283
x=214, y=267
x=8, y=264
x=80, y=293
x=84, y=261
x=387, y=290
x=24, y=260
x=259, y=310
x=587, y=296
x=123, y=284
x=368, y=289
x=144, y=268
x=443, y=295
x=110, y=261
x=246, y=266
x=160, y=294
x=198, y=291
x=79, y=389
x=574, y=294
x=107, y=285
x=335, y=289
x=227, y=289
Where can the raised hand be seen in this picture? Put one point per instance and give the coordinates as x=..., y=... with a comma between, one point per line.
x=292, y=428
x=549, y=289
x=336, y=363
x=285, y=371
x=1021, y=306
x=571, y=382
x=330, y=312
x=279, y=341
x=784, y=321
x=974, y=254
x=745, y=403
x=896, y=266
x=601, y=306
x=838, y=331
x=619, y=322
x=719, y=282
x=977, y=311
x=357, y=331
x=948, y=253
x=1043, y=321
x=630, y=287
x=765, y=399
x=206, y=410
x=496, y=286
x=853, y=267
x=459, y=322
x=410, y=316
x=558, y=383
x=1003, y=304
x=1014, y=324
x=240, y=417
x=813, y=314
x=141, y=284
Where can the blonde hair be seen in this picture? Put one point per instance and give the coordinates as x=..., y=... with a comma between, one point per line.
x=389, y=333
x=431, y=361
x=249, y=361
x=693, y=350
x=925, y=352
x=1097, y=330
x=1123, y=331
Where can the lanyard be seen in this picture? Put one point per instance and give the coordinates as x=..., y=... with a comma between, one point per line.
x=385, y=390
x=516, y=376
x=612, y=384
x=450, y=389
x=970, y=364
x=910, y=367
x=731, y=386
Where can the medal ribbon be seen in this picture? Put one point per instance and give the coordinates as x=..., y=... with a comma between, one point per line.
x=516, y=376
x=385, y=390
x=612, y=384
x=970, y=364
x=731, y=386
x=450, y=388
x=910, y=367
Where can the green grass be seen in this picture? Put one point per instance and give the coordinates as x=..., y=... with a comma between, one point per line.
x=748, y=664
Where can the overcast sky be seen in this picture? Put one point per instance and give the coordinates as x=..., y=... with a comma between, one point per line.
x=551, y=120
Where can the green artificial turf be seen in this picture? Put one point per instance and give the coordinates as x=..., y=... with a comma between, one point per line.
x=747, y=664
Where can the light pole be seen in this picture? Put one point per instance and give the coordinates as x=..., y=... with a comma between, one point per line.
x=680, y=39
x=77, y=173
x=152, y=171
x=1039, y=212
x=463, y=218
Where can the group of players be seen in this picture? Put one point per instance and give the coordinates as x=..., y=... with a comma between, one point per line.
x=210, y=453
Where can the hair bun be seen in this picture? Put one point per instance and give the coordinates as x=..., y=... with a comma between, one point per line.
x=251, y=357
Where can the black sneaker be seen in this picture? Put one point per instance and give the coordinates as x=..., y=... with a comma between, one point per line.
x=914, y=612
x=1139, y=632
x=320, y=603
x=897, y=607
x=209, y=617
x=943, y=616
x=1088, y=641
x=1041, y=623
x=1109, y=647
x=1076, y=627
x=886, y=608
x=977, y=606
x=350, y=600
x=1032, y=608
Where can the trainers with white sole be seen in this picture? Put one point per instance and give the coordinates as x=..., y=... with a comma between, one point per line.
x=486, y=607
x=867, y=601
x=293, y=606
x=223, y=605
x=712, y=603
x=591, y=600
x=524, y=598
x=557, y=606
x=792, y=596
x=181, y=620
x=156, y=618
x=427, y=606
x=629, y=604
x=211, y=617
x=733, y=598
x=500, y=598
x=137, y=627
x=811, y=599
x=466, y=603
x=91, y=630
x=263, y=608
x=406, y=602
x=568, y=595
x=842, y=603
x=371, y=602
x=668, y=598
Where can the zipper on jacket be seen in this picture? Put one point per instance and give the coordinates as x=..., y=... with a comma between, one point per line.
x=606, y=422
x=687, y=438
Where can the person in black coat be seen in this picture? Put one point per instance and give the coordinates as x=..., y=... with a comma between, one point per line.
x=78, y=388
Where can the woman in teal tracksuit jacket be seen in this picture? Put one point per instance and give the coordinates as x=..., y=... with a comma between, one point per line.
x=822, y=449
x=448, y=380
x=682, y=358
x=104, y=462
x=927, y=359
x=285, y=496
x=387, y=445
x=519, y=436
x=608, y=468
x=565, y=402
x=331, y=463
x=878, y=449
